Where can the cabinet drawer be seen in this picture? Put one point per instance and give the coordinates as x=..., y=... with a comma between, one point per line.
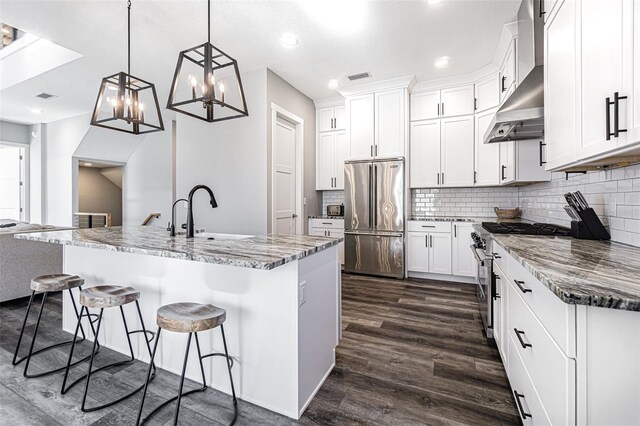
x=527, y=401
x=428, y=226
x=500, y=257
x=327, y=223
x=550, y=370
x=557, y=317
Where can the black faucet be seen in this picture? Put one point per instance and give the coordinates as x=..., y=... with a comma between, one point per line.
x=172, y=227
x=214, y=204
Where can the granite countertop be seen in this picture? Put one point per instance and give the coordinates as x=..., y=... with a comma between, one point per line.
x=24, y=227
x=324, y=216
x=445, y=219
x=582, y=272
x=257, y=252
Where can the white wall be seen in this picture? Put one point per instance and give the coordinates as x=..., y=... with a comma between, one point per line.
x=14, y=132
x=231, y=158
x=36, y=181
x=147, y=183
x=288, y=97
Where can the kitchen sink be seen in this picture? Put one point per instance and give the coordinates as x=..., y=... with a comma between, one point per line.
x=220, y=237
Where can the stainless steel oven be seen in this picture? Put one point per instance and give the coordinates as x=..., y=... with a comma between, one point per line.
x=485, y=283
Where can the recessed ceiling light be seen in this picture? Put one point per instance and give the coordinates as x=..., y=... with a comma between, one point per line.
x=35, y=110
x=289, y=40
x=333, y=84
x=88, y=164
x=442, y=62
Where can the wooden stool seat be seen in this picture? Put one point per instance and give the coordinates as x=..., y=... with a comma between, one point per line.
x=190, y=317
x=108, y=296
x=56, y=282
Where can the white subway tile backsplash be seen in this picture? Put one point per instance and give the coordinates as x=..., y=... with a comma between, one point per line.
x=331, y=197
x=461, y=202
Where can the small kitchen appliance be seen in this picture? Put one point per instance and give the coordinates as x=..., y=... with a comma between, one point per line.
x=335, y=210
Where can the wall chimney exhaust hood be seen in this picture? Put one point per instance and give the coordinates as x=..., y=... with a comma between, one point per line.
x=521, y=116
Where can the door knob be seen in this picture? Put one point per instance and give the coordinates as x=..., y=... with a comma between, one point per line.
x=294, y=216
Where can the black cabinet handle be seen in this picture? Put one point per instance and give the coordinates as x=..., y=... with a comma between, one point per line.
x=607, y=105
x=503, y=169
x=455, y=231
x=541, y=145
x=520, y=407
x=522, y=342
x=443, y=108
x=428, y=226
x=521, y=287
x=438, y=178
x=504, y=78
x=426, y=240
x=475, y=176
x=616, y=114
x=443, y=178
x=475, y=104
x=438, y=108
x=496, y=256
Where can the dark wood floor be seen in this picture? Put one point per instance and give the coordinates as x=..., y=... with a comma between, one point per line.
x=412, y=353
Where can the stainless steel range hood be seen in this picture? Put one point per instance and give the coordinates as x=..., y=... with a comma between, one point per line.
x=521, y=116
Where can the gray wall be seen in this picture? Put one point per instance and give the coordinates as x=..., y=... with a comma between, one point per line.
x=14, y=132
x=96, y=194
x=288, y=97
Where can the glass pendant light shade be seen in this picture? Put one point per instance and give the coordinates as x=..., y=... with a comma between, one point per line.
x=207, y=84
x=127, y=103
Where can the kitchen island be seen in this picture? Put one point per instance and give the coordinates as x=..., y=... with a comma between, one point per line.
x=281, y=294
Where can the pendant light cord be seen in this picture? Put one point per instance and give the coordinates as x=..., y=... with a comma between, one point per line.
x=209, y=21
x=129, y=40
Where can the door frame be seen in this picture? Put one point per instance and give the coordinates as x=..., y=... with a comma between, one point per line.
x=25, y=188
x=298, y=122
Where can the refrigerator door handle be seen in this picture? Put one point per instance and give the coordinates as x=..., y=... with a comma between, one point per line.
x=370, y=196
x=374, y=206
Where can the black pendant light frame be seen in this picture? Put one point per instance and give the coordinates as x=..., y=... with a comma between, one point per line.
x=127, y=85
x=210, y=58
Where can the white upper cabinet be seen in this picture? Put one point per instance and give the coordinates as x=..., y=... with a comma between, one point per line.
x=508, y=72
x=330, y=118
x=457, y=101
x=359, y=113
x=560, y=101
x=424, y=157
x=487, y=93
x=457, y=151
x=342, y=147
x=507, y=162
x=606, y=38
x=330, y=156
x=390, y=123
x=425, y=105
x=339, y=122
x=487, y=156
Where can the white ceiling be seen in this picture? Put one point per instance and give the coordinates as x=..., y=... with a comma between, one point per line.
x=336, y=38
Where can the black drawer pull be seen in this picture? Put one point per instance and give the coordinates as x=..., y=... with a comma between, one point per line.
x=521, y=287
x=519, y=334
x=520, y=407
x=496, y=256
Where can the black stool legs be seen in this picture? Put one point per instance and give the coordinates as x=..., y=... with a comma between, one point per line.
x=87, y=377
x=184, y=369
x=31, y=353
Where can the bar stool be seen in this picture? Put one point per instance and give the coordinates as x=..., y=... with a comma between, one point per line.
x=189, y=318
x=103, y=297
x=46, y=284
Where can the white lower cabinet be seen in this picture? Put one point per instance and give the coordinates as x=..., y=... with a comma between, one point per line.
x=463, y=262
x=329, y=228
x=429, y=252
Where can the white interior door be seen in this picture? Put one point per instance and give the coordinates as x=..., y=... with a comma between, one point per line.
x=10, y=188
x=284, y=167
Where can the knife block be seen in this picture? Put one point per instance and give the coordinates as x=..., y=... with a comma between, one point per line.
x=590, y=227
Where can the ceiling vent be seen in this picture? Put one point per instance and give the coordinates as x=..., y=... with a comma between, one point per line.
x=44, y=95
x=359, y=76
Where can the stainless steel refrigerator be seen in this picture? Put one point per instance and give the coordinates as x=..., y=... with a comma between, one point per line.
x=374, y=217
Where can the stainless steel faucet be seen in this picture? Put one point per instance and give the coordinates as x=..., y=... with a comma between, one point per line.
x=214, y=204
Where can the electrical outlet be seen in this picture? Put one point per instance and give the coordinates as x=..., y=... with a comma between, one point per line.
x=302, y=294
x=304, y=201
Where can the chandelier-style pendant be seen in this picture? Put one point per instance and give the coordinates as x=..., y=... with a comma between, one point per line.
x=207, y=83
x=127, y=103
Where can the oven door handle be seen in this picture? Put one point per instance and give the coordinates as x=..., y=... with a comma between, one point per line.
x=475, y=254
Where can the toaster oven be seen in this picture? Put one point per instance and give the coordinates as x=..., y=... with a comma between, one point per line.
x=335, y=210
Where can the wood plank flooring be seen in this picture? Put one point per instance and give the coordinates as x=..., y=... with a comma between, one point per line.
x=413, y=353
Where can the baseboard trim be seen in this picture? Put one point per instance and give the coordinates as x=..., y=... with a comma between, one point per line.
x=442, y=277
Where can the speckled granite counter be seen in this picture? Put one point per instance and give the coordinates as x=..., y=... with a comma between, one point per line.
x=448, y=219
x=324, y=216
x=583, y=272
x=257, y=252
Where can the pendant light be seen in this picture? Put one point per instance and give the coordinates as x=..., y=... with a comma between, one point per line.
x=127, y=103
x=206, y=83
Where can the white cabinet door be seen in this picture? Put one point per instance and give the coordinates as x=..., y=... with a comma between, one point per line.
x=487, y=93
x=418, y=252
x=359, y=111
x=548, y=6
x=440, y=253
x=634, y=126
x=325, y=119
x=341, y=149
x=424, y=155
x=457, y=101
x=497, y=314
x=318, y=232
x=326, y=161
x=508, y=72
x=507, y=162
x=605, y=38
x=529, y=161
x=561, y=125
x=457, y=151
x=390, y=123
x=464, y=263
x=487, y=156
x=338, y=234
x=338, y=122
x=425, y=105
